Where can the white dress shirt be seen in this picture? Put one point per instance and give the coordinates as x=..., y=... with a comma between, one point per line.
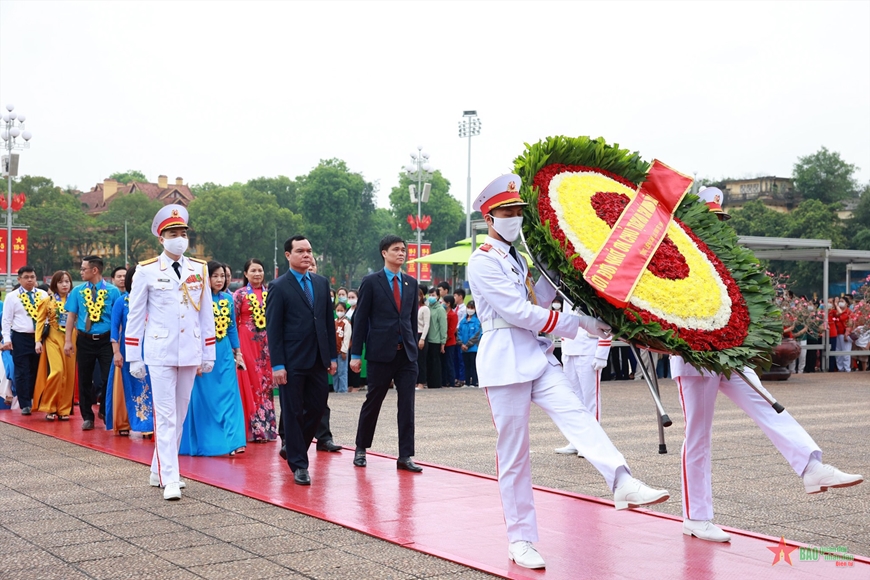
x=15, y=317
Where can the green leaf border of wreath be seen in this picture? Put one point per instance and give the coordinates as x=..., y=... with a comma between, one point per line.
x=765, y=325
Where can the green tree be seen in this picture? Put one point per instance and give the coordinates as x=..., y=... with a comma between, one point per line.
x=858, y=227
x=57, y=225
x=382, y=224
x=138, y=211
x=283, y=188
x=756, y=219
x=129, y=176
x=824, y=176
x=813, y=220
x=448, y=216
x=235, y=223
x=336, y=206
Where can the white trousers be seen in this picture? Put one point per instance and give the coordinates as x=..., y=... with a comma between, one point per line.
x=510, y=406
x=844, y=362
x=698, y=399
x=585, y=381
x=170, y=391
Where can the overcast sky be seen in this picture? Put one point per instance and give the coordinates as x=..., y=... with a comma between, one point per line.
x=229, y=91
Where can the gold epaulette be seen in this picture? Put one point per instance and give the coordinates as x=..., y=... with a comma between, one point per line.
x=149, y=261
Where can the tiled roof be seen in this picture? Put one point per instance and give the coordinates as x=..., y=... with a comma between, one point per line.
x=93, y=200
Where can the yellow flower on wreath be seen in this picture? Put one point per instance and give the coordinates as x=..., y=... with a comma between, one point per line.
x=95, y=309
x=221, y=318
x=258, y=311
x=30, y=307
x=699, y=301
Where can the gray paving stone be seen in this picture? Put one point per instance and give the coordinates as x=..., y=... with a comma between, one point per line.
x=95, y=551
x=254, y=569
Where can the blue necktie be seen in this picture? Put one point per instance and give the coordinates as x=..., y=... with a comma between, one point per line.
x=306, y=286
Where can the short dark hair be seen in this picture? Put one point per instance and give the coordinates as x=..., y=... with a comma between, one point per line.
x=449, y=299
x=94, y=262
x=213, y=267
x=288, y=245
x=470, y=304
x=128, y=279
x=388, y=240
x=460, y=291
x=25, y=270
x=248, y=264
x=118, y=269
x=433, y=290
x=445, y=285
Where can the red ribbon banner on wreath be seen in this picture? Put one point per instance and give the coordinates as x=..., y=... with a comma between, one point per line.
x=637, y=234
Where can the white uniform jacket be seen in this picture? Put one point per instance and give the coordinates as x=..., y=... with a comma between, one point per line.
x=172, y=319
x=515, y=354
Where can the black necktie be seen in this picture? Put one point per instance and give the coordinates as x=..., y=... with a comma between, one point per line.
x=177, y=267
x=306, y=286
x=513, y=253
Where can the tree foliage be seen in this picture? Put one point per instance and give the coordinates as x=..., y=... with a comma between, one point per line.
x=129, y=176
x=236, y=223
x=137, y=210
x=57, y=224
x=825, y=176
x=283, y=188
x=448, y=217
x=336, y=206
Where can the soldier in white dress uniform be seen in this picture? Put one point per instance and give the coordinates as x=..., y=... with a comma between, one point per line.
x=169, y=325
x=698, y=392
x=583, y=358
x=517, y=368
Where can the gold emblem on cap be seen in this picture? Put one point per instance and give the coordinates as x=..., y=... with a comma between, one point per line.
x=175, y=213
x=512, y=186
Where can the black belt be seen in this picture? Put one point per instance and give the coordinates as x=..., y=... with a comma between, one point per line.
x=95, y=336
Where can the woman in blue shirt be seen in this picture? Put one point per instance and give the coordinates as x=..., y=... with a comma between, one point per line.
x=215, y=423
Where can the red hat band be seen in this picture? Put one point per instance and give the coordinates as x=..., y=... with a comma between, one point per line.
x=500, y=199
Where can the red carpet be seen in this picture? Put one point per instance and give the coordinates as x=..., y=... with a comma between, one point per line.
x=457, y=515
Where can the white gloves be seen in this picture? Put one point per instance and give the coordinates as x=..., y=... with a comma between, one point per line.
x=240, y=361
x=599, y=363
x=595, y=327
x=207, y=366
x=137, y=369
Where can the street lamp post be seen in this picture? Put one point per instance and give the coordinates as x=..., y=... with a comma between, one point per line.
x=470, y=127
x=12, y=129
x=421, y=169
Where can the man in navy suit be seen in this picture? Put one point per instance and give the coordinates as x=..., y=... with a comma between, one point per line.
x=386, y=321
x=301, y=331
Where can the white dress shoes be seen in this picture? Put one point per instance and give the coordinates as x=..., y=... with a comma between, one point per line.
x=705, y=530
x=634, y=493
x=822, y=476
x=172, y=491
x=524, y=554
x=566, y=450
x=154, y=481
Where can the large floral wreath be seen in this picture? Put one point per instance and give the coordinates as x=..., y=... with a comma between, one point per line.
x=702, y=296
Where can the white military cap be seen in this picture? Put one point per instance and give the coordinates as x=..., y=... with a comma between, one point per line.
x=169, y=216
x=713, y=197
x=504, y=191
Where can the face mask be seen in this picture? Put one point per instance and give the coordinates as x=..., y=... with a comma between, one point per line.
x=842, y=304
x=176, y=246
x=557, y=306
x=342, y=299
x=470, y=313
x=340, y=315
x=432, y=300
x=508, y=228
x=351, y=301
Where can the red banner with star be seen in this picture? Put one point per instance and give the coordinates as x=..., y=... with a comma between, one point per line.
x=19, y=249
x=422, y=272
x=637, y=234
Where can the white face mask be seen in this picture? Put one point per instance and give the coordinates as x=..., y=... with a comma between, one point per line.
x=557, y=306
x=470, y=313
x=176, y=246
x=351, y=301
x=842, y=305
x=508, y=228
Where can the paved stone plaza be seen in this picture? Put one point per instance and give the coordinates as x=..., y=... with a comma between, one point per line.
x=69, y=512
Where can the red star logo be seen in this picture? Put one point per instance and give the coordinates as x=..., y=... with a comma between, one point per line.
x=782, y=552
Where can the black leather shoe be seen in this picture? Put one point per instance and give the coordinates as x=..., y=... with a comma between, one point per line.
x=408, y=464
x=301, y=477
x=359, y=458
x=328, y=445
x=87, y=425
x=283, y=452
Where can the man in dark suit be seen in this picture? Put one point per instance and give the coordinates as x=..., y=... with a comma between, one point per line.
x=386, y=321
x=301, y=332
